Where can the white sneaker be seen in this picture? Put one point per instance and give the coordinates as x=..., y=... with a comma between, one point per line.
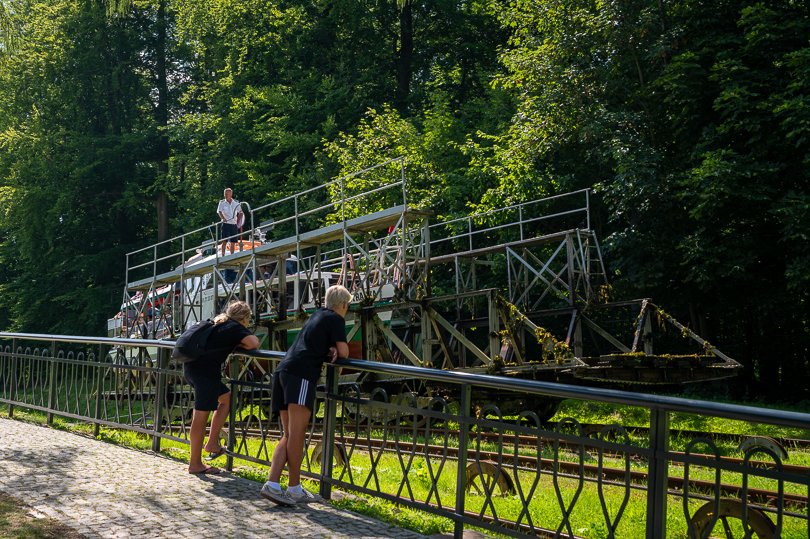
x=304, y=497
x=276, y=495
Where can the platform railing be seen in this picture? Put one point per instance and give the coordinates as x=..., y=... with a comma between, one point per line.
x=513, y=223
x=289, y=216
x=451, y=443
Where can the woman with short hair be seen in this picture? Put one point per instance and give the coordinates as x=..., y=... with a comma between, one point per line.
x=322, y=339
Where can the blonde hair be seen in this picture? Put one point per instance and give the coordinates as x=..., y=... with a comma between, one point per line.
x=335, y=295
x=236, y=310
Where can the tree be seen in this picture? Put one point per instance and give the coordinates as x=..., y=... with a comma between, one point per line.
x=158, y=53
x=72, y=142
x=678, y=114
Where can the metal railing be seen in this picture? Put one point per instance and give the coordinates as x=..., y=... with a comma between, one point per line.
x=446, y=443
x=514, y=223
x=289, y=216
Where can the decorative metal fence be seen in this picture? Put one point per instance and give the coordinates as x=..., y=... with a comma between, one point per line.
x=445, y=448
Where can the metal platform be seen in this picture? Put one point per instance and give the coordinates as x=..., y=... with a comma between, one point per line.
x=520, y=290
x=382, y=219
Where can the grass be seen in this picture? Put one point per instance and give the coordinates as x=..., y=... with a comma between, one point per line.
x=544, y=509
x=595, y=412
x=16, y=522
x=544, y=506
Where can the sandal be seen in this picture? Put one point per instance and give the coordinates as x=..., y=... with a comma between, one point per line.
x=210, y=470
x=216, y=454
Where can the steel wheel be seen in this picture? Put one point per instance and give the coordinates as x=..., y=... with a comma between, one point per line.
x=483, y=476
x=338, y=454
x=728, y=523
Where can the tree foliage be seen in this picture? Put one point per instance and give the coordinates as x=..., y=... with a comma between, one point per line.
x=690, y=119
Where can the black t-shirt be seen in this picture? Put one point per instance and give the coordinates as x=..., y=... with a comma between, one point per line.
x=309, y=352
x=223, y=339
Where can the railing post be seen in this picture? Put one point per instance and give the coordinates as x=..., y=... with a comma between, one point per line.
x=233, y=374
x=13, y=377
x=160, y=397
x=658, y=474
x=588, y=209
x=404, y=189
x=520, y=219
x=102, y=355
x=461, y=473
x=51, y=385
x=178, y=311
x=154, y=271
x=343, y=219
x=330, y=422
x=495, y=326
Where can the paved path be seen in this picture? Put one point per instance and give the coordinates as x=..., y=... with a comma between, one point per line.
x=103, y=490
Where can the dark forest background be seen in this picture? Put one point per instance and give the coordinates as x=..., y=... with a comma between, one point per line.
x=122, y=121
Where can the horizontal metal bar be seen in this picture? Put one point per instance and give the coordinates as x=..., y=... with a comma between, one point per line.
x=319, y=209
x=377, y=190
x=86, y=419
x=516, y=206
x=136, y=343
x=327, y=184
x=164, y=242
x=536, y=387
x=515, y=224
x=642, y=400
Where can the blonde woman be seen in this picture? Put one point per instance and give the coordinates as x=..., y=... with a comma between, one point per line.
x=205, y=376
x=322, y=339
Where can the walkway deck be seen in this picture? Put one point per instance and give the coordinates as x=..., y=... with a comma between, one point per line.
x=379, y=220
x=104, y=490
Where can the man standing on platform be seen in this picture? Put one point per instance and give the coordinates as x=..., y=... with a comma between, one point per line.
x=230, y=213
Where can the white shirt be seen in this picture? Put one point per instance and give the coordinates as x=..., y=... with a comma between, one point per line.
x=230, y=211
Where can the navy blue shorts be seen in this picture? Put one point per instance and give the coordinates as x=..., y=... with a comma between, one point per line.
x=290, y=389
x=229, y=231
x=207, y=389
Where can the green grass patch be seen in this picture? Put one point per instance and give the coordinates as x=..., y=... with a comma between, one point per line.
x=16, y=522
x=404, y=517
x=605, y=413
x=415, y=476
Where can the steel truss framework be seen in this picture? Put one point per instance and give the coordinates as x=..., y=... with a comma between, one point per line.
x=520, y=290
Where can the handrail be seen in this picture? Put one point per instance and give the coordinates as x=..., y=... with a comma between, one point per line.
x=181, y=236
x=676, y=404
x=615, y=396
x=252, y=212
x=331, y=182
x=471, y=233
x=160, y=343
x=441, y=232
x=512, y=207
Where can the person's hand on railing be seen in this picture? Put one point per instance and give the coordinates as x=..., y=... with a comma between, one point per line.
x=333, y=357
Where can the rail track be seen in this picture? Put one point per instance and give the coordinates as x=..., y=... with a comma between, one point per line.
x=487, y=465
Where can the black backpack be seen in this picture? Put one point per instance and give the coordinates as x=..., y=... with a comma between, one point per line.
x=192, y=343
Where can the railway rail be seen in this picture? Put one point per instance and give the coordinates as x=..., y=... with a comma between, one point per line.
x=567, y=468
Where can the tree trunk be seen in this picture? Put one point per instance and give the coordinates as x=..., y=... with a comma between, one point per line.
x=405, y=57
x=162, y=121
